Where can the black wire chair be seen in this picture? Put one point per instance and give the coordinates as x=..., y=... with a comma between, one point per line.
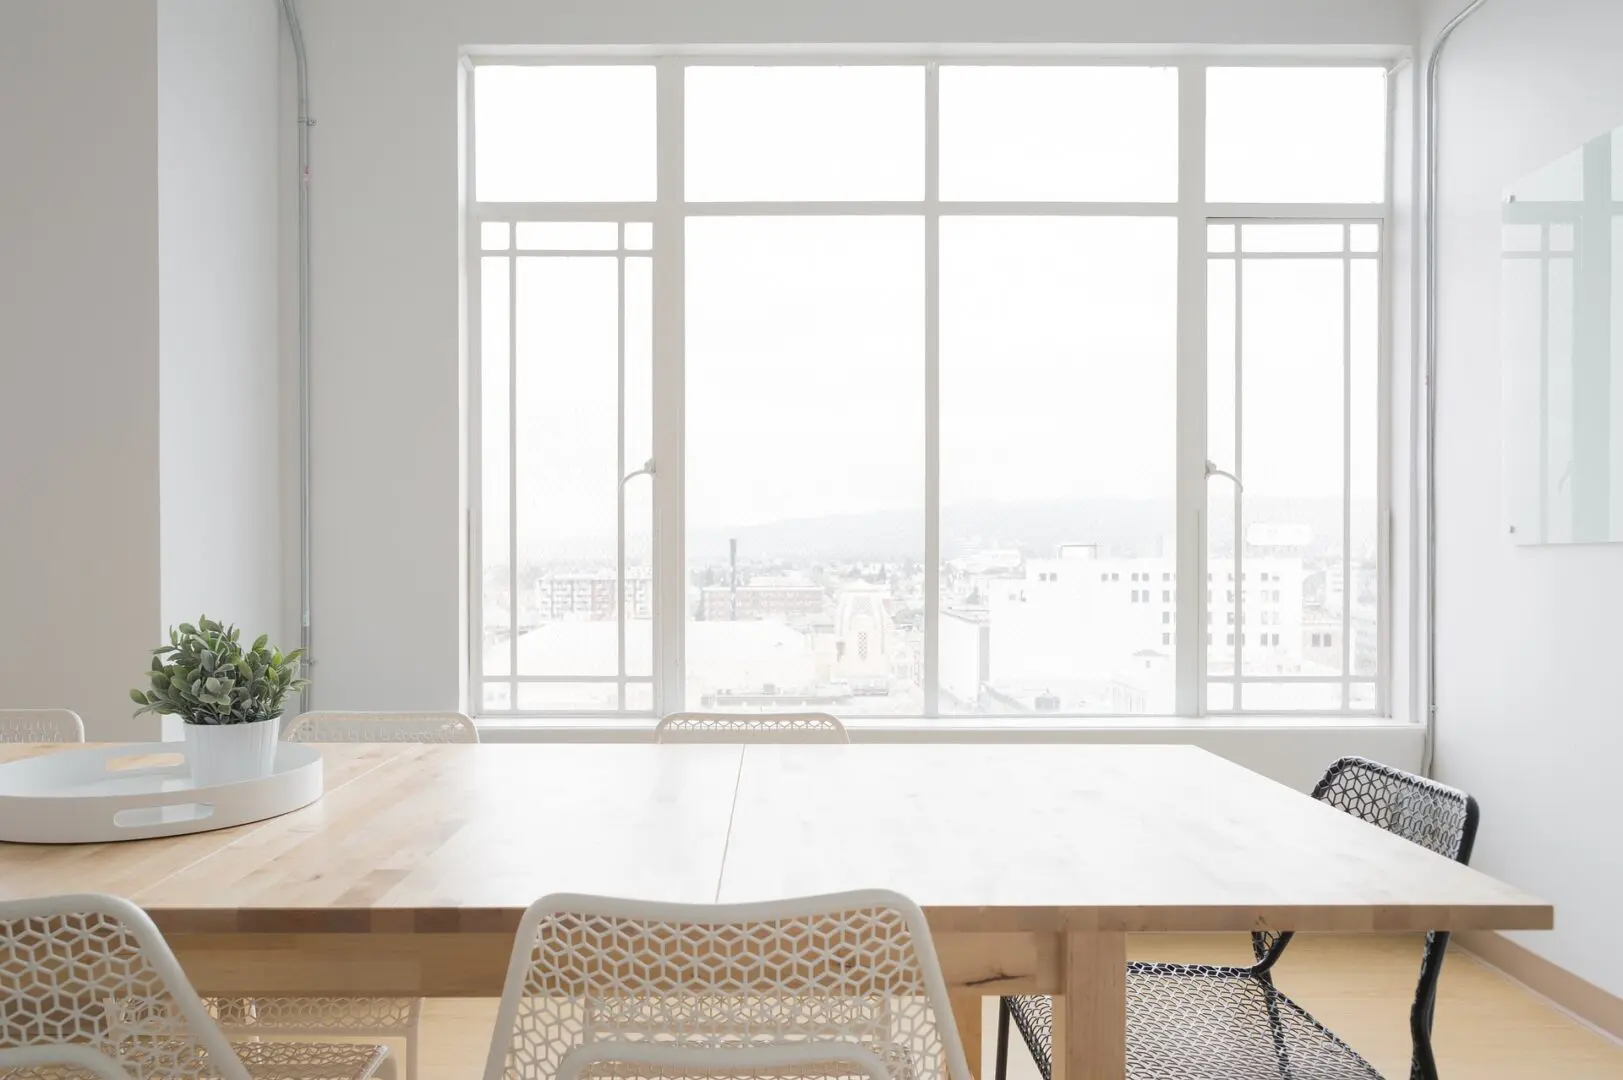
x=1209, y=1022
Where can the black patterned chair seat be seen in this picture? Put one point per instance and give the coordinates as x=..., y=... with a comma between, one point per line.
x=1226, y=1023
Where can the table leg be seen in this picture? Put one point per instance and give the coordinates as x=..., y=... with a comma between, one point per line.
x=1090, y=1014
x=966, y=1010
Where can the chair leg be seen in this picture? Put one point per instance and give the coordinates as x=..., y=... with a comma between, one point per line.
x=1002, y=1066
x=1281, y=1048
x=388, y=1068
x=411, y=1051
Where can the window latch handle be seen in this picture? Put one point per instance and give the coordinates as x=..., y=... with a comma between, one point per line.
x=646, y=470
x=1212, y=470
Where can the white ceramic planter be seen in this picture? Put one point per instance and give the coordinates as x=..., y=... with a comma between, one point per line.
x=231, y=753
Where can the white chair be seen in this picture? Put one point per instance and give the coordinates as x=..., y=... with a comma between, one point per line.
x=856, y=970
x=702, y=727
x=41, y=725
x=381, y=727
x=88, y=985
x=370, y=1018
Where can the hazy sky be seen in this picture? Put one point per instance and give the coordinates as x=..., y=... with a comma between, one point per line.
x=805, y=336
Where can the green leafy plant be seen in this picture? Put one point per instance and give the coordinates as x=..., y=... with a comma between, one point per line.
x=205, y=676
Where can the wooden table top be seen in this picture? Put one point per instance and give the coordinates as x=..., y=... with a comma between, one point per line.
x=985, y=837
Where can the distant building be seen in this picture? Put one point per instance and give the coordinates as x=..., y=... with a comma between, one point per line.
x=1098, y=633
x=864, y=636
x=590, y=595
x=784, y=602
x=1322, y=639
x=966, y=655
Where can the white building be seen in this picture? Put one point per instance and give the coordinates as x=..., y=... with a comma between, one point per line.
x=1098, y=633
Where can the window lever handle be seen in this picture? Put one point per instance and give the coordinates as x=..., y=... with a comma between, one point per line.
x=646, y=470
x=1212, y=470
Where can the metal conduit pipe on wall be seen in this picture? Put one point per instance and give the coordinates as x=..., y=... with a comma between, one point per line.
x=1429, y=313
x=290, y=14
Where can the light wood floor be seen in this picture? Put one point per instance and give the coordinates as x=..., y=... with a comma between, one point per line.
x=1488, y=1028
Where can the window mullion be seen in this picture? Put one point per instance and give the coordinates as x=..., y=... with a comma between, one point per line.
x=670, y=574
x=1189, y=640
x=932, y=390
x=1347, y=589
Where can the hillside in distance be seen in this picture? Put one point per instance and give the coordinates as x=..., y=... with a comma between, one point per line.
x=1120, y=527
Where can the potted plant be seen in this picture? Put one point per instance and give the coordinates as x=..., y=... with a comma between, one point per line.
x=230, y=698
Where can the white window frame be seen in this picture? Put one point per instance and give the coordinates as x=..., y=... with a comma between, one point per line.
x=668, y=213
x=1346, y=257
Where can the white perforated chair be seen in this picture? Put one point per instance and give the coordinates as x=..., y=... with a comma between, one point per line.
x=381, y=727
x=703, y=727
x=88, y=986
x=41, y=725
x=357, y=1017
x=849, y=970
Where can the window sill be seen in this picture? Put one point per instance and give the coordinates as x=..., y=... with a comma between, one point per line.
x=1294, y=750
x=961, y=729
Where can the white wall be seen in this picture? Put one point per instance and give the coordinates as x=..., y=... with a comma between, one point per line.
x=78, y=356
x=218, y=160
x=388, y=511
x=138, y=373
x=1529, y=679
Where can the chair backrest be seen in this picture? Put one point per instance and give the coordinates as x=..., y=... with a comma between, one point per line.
x=1433, y=815
x=89, y=978
x=857, y=968
x=381, y=727
x=692, y=727
x=40, y=725
x=1423, y=811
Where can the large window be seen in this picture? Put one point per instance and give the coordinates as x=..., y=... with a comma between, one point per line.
x=917, y=388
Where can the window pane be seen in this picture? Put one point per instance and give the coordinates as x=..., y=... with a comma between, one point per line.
x=1362, y=594
x=639, y=235
x=1059, y=133
x=564, y=134
x=494, y=462
x=567, y=443
x=639, y=697
x=805, y=463
x=1284, y=134
x=639, y=449
x=569, y=235
x=568, y=697
x=1291, y=697
x=493, y=235
x=1058, y=427
x=826, y=133
x=1292, y=455
x=1289, y=237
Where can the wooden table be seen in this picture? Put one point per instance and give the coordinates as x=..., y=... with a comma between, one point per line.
x=1032, y=863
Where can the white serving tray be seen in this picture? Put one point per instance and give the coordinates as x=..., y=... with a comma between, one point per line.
x=104, y=793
